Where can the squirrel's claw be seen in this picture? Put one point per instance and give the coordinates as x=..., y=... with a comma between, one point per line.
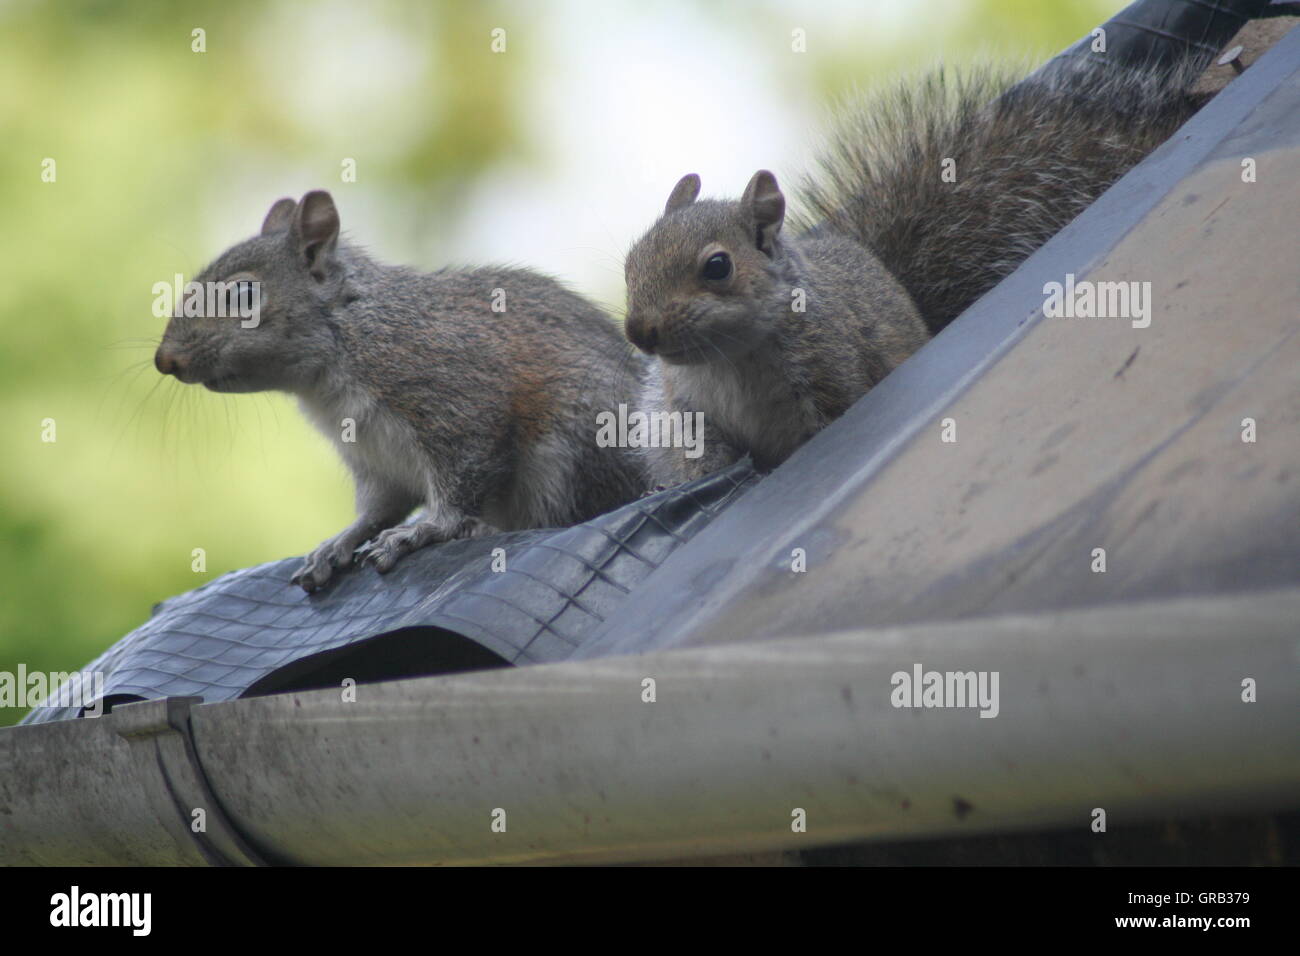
x=306, y=579
x=320, y=565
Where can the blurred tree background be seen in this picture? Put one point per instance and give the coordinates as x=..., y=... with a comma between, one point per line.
x=554, y=152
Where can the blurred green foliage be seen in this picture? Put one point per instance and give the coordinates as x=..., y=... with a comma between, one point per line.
x=151, y=140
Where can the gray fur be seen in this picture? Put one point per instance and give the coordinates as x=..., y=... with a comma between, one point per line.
x=487, y=419
x=890, y=254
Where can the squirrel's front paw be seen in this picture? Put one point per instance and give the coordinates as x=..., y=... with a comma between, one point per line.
x=321, y=564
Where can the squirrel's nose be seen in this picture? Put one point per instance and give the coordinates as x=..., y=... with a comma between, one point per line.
x=169, y=363
x=642, y=334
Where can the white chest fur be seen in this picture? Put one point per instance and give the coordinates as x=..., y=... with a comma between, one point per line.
x=749, y=399
x=371, y=440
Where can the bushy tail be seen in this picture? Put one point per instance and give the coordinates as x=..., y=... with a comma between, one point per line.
x=1026, y=156
x=955, y=180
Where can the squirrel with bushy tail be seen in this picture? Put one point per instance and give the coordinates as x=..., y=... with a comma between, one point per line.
x=926, y=197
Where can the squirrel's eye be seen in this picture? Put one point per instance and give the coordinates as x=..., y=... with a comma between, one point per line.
x=718, y=266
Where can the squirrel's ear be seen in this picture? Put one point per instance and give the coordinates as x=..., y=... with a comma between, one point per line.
x=315, y=230
x=765, y=203
x=684, y=193
x=279, y=217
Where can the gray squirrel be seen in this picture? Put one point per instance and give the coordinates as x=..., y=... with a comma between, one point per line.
x=485, y=416
x=926, y=197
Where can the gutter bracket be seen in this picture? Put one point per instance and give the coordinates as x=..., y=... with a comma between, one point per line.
x=158, y=732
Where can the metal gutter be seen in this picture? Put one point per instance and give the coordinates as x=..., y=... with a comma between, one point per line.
x=1134, y=709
